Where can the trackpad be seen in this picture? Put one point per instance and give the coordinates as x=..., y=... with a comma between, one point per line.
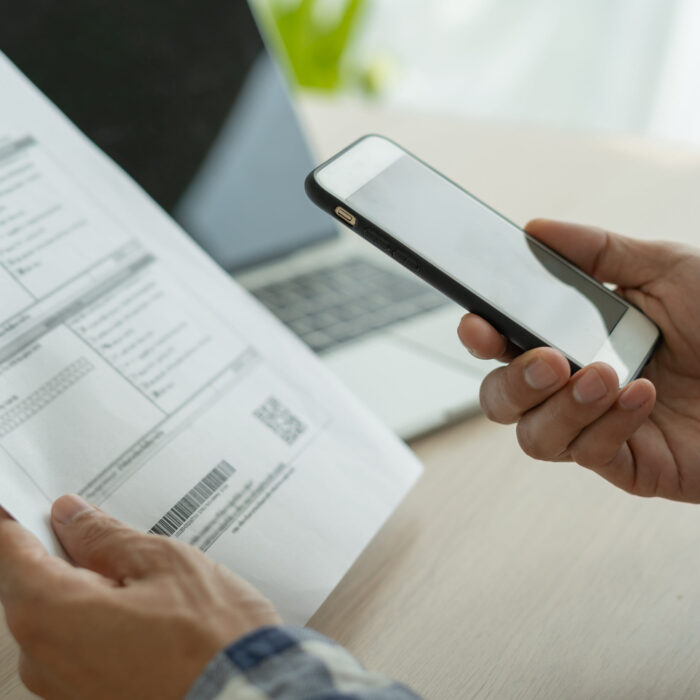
x=408, y=389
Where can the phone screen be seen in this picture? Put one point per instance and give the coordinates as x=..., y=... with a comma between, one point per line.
x=491, y=257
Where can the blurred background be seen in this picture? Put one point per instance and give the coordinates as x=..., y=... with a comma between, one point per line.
x=620, y=65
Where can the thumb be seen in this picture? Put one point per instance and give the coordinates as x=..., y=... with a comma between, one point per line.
x=98, y=542
x=608, y=257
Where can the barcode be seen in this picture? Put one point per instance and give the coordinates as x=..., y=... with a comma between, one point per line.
x=188, y=505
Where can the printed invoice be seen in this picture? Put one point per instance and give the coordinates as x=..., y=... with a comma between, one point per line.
x=135, y=372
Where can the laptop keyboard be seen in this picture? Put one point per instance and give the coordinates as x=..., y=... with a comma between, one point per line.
x=332, y=305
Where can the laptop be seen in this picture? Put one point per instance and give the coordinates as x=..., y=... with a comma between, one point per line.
x=187, y=99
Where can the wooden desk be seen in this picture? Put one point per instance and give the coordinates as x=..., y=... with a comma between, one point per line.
x=500, y=577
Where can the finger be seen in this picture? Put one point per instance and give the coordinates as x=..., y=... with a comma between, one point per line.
x=606, y=256
x=509, y=392
x=23, y=559
x=602, y=446
x=98, y=542
x=483, y=340
x=547, y=431
x=27, y=570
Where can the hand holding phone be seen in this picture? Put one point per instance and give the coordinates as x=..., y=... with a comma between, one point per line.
x=644, y=438
x=527, y=291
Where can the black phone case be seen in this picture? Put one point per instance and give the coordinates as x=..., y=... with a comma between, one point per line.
x=516, y=334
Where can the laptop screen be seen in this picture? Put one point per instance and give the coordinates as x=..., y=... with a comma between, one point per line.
x=184, y=96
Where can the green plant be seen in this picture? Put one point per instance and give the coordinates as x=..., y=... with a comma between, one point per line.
x=314, y=46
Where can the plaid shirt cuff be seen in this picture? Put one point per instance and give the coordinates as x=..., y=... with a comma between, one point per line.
x=289, y=663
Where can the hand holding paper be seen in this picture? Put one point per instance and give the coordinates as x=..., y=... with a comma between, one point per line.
x=134, y=372
x=128, y=596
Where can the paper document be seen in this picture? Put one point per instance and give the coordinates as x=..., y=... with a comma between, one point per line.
x=135, y=372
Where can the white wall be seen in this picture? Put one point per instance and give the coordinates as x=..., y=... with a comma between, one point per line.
x=626, y=65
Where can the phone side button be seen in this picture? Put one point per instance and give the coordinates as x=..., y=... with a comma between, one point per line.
x=372, y=236
x=369, y=235
x=405, y=260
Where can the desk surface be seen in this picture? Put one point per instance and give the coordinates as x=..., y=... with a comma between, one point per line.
x=500, y=577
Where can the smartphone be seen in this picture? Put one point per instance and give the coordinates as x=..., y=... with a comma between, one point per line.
x=479, y=258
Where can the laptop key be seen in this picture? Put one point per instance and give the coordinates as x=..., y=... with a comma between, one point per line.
x=318, y=341
x=334, y=305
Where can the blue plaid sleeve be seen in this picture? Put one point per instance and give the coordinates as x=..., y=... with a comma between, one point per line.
x=290, y=663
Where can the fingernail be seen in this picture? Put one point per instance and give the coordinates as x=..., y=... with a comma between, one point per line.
x=590, y=387
x=539, y=374
x=67, y=508
x=633, y=397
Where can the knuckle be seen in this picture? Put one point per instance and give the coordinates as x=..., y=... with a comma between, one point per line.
x=485, y=403
x=187, y=552
x=592, y=455
x=100, y=534
x=94, y=530
x=666, y=252
x=512, y=386
x=528, y=441
x=156, y=553
x=491, y=395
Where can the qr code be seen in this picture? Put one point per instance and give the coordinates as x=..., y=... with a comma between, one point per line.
x=280, y=420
